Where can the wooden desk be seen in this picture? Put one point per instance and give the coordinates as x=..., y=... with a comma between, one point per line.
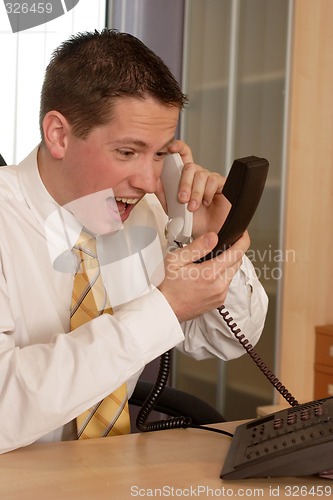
x=185, y=462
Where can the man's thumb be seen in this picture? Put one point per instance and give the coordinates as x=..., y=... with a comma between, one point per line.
x=197, y=249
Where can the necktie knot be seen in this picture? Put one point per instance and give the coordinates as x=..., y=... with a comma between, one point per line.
x=86, y=243
x=89, y=295
x=86, y=252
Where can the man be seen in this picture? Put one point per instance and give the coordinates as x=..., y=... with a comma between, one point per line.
x=109, y=112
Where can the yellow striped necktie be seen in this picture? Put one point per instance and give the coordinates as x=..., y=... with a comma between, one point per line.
x=89, y=300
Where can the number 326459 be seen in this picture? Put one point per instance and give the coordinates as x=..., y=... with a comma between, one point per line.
x=25, y=8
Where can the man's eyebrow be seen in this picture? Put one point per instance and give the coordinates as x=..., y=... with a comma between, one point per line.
x=129, y=140
x=137, y=142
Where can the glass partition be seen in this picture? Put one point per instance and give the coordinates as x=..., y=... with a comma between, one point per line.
x=235, y=64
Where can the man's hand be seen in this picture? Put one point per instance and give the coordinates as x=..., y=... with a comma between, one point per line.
x=201, y=189
x=193, y=289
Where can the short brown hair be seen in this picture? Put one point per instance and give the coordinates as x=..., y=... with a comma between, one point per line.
x=90, y=70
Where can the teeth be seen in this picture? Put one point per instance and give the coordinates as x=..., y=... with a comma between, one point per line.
x=129, y=201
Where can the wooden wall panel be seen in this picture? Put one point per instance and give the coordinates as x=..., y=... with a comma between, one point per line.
x=307, y=292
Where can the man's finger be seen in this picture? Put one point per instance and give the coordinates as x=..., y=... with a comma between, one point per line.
x=194, y=250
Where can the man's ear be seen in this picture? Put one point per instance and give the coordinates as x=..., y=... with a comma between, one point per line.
x=56, y=129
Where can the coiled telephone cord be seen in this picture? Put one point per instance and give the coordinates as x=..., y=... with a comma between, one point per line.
x=152, y=398
x=163, y=374
x=256, y=358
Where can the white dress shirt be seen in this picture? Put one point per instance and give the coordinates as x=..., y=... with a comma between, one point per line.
x=48, y=374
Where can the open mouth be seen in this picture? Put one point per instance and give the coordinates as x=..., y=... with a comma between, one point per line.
x=125, y=205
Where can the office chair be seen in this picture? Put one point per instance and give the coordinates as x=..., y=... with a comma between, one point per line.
x=183, y=409
x=176, y=403
x=2, y=161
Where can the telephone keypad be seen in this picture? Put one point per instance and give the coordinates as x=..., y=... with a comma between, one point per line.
x=286, y=429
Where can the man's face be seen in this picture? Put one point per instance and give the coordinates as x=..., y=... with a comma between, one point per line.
x=126, y=154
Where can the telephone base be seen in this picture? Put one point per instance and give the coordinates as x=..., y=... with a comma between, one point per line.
x=296, y=441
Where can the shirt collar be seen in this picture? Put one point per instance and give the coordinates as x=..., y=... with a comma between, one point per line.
x=60, y=226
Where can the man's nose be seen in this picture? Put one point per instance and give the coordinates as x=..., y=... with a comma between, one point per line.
x=146, y=179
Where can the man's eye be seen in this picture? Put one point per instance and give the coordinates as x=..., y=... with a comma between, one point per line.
x=126, y=153
x=161, y=154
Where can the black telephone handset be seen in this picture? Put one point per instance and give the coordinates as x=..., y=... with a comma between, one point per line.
x=243, y=189
x=296, y=441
